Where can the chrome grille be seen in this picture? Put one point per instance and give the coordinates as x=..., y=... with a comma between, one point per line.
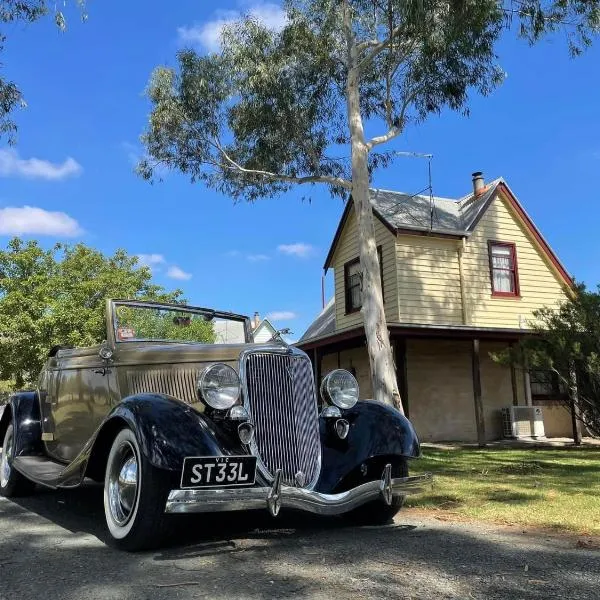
x=280, y=397
x=179, y=383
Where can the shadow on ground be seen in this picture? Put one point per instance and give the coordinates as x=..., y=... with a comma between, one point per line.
x=51, y=545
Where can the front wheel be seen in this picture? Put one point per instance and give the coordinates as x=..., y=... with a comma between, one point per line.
x=12, y=483
x=134, y=496
x=378, y=512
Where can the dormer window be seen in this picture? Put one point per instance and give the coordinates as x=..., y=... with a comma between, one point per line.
x=503, y=268
x=353, y=283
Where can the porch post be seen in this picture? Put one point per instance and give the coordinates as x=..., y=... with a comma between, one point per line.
x=513, y=378
x=574, y=405
x=527, y=382
x=317, y=356
x=479, y=418
x=402, y=372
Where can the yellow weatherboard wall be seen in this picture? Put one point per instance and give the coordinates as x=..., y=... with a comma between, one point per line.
x=346, y=250
x=421, y=275
x=539, y=283
x=428, y=280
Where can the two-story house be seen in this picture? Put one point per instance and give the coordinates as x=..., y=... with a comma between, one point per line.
x=461, y=279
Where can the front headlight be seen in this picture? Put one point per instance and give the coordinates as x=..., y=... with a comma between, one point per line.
x=340, y=388
x=219, y=386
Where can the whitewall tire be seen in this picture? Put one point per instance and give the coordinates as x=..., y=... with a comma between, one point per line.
x=12, y=483
x=134, y=496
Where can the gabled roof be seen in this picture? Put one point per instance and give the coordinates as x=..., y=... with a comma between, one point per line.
x=425, y=215
x=324, y=324
x=264, y=324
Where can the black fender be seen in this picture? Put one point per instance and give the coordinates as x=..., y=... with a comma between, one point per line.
x=167, y=430
x=378, y=434
x=23, y=409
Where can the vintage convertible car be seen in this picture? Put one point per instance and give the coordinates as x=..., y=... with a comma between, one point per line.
x=177, y=411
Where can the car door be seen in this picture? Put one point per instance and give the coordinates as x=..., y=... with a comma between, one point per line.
x=78, y=399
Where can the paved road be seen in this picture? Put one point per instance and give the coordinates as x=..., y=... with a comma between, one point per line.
x=51, y=548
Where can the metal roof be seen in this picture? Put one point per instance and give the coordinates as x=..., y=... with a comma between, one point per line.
x=430, y=214
x=324, y=324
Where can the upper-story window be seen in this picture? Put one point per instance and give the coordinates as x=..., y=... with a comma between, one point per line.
x=503, y=268
x=353, y=282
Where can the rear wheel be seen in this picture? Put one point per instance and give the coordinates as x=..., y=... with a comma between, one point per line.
x=378, y=512
x=134, y=496
x=12, y=483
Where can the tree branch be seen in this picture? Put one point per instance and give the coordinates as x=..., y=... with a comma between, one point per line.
x=337, y=181
x=376, y=48
x=367, y=44
x=394, y=130
x=382, y=139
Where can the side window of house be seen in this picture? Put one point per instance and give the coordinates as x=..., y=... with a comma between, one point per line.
x=545, y=385
x=503, y=268
x=353, y=282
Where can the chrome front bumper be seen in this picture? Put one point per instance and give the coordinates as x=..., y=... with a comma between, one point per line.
x=281, y=496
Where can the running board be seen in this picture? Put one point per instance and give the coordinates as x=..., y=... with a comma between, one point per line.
x=40, y=469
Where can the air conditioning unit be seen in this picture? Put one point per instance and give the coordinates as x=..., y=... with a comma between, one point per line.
x=523, y=422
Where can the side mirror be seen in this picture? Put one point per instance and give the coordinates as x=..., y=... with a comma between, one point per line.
x=105, y=353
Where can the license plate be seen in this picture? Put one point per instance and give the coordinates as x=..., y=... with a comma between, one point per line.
x=218, y=471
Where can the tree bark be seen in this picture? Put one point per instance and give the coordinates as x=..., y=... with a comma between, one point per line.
x=383, y=376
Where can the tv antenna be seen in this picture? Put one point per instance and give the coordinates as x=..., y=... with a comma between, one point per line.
x=429, y=187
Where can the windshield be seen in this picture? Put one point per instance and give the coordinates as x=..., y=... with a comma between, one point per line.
x=139, y=323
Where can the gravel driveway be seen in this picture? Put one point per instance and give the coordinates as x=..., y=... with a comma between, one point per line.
x=51, y=548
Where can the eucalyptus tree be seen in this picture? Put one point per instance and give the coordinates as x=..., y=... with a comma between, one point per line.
x=317, y=101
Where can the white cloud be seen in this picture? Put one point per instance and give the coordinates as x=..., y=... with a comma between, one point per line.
x=300, y=249
x=250, y=257
x=12, y=165
x=174, y=272
x=29, y=220
x=153, y=261
x=257, y=257
x=282, y=315
x=208, y=35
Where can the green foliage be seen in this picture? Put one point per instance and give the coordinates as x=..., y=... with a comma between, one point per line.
x=578, y=19
x=147, y=323
x=28, y=11
x=6, y=387
x=56, y=296
x=270, y=109
x=568, y=343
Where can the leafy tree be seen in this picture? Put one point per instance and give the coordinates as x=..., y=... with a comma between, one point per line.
x=57, y=296
x=568, y=343
x=274, y=109
x=159, y=324
x=25, y=11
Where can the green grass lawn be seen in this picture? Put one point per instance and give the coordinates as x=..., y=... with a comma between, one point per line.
x=557, y=488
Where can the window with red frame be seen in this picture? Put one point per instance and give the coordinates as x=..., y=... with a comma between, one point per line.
x=503, y=268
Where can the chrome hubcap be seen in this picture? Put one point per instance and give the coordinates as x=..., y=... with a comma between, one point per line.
x=123, y=484
x=5, y=467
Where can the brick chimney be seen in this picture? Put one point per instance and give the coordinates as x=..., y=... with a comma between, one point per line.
x=479, y=186
x=256, y=320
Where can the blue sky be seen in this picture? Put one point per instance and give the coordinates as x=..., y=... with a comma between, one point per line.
x=86, y=110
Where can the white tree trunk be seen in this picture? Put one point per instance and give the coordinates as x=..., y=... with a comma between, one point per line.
x=383, y=373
